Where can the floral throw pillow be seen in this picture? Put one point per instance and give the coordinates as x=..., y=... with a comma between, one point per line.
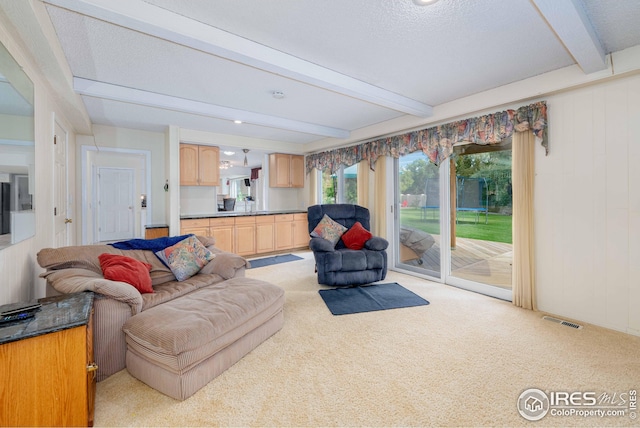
x=329, y=229
x=185, y=258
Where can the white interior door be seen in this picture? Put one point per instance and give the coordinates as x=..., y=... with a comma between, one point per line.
x=115, y=204
x=61, y=219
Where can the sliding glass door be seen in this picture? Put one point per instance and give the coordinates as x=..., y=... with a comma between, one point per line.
x=454, y=221
x=418, y=219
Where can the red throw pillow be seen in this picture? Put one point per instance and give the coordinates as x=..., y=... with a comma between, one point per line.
x=126, y=269
x=355, y=237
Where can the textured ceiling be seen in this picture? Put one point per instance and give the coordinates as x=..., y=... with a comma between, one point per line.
x=342, y=65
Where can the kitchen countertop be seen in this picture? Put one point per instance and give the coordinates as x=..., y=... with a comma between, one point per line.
x=240, y=214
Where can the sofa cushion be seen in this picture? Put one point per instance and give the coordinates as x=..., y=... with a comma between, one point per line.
x=186, y=257
x=375, y=259
x=184, y=331
x=353, y=260
x=355, y=237
x=329, y=229
x=126, y=269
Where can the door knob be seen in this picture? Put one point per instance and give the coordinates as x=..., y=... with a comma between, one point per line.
x=67, y=220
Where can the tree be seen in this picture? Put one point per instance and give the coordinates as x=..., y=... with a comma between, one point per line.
x=413, y=176
x=495, y=167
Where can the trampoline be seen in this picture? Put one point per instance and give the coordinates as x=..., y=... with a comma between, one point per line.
x=473, y=197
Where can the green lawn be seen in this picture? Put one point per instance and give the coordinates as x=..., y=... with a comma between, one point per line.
x=498, y=228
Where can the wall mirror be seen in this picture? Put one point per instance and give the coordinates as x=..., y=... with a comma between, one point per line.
x=17, y=153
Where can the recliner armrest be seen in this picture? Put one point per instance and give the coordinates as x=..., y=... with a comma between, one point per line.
x=376, y=243
x=321, y=244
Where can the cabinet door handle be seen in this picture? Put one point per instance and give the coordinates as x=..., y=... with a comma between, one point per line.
x=92, y=368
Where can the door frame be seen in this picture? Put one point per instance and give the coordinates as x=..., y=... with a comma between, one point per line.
x=87, y=183
x=69, y=197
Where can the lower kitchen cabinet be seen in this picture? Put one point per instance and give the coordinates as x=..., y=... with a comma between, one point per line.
x=284, y=232
x=300, y=230
x=249, y=235
x=245, y=235
x=223, y=230
x=198, y=226
x=265, y=234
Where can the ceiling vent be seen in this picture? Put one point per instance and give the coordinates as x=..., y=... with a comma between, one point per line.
x=562, y=322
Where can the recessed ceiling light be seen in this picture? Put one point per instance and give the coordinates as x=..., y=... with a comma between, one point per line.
x=278, y=95
x=237, y=121
x=229, y=153
x=424, y=2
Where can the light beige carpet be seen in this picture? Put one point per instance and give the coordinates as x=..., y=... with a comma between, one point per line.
x=463, y=360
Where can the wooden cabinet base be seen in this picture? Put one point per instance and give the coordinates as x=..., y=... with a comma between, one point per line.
x=47, y=365
x=44, y=381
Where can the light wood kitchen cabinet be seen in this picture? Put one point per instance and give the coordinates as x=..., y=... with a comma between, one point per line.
x=284, y=231
x=223, y=230
x=198, y=226
x=245, y=235
x=199, y=165
x=265, y=234
x=49, y=379
x=291, y=231
x=286, y=170
x=300, y=230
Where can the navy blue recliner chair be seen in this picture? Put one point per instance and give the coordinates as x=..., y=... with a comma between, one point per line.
x=338, y=265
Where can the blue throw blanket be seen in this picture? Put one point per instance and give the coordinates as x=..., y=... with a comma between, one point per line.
x=154, y=245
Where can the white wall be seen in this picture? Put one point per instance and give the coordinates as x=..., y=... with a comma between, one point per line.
x=196, y=200
x=127, y=139
x=587, y=206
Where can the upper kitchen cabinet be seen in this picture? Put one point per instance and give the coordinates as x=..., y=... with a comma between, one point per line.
x=286, y=170
x=199, y=165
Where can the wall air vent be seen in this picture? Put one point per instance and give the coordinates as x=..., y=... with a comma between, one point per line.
x=562, y=322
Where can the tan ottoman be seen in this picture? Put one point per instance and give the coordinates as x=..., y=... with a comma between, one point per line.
x=180, y=346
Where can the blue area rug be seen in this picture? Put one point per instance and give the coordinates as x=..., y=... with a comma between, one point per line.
x=273, y=260
x=378, y=297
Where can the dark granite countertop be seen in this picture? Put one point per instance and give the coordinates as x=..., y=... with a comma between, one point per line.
x=156, y=226
x=57, y=313
x=240, y=214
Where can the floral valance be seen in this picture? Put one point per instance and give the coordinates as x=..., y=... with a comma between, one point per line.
x=437, y=142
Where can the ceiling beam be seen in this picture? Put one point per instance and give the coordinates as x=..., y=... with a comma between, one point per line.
x=155, y=21
x=569, y=21
x=108, y=91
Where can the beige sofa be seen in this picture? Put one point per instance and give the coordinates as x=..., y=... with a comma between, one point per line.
x=169, y=314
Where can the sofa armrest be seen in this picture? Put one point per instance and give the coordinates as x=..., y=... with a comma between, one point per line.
x=74, y=280
x=376, y=243
x=321, y=244
x=225, y=264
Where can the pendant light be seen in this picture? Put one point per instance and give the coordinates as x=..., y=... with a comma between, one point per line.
x=246, y=163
